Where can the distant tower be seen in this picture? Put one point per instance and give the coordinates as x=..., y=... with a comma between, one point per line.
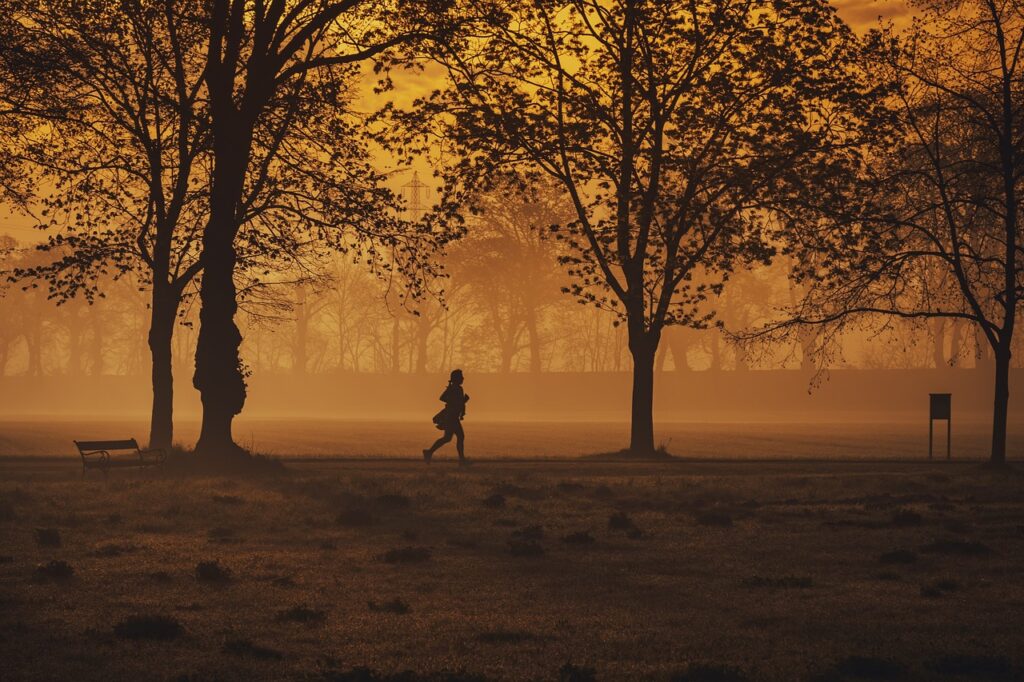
x=414, y=193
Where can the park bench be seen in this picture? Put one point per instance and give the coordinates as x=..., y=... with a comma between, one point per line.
x=96, y=454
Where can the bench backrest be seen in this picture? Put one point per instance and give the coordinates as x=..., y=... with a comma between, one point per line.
x=95, y=445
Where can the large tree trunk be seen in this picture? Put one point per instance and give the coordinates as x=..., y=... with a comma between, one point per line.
x=1001, y=404
x=218, y=376
x=643, y=346
x=161, y=335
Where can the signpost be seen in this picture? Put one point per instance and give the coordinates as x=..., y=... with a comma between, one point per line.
x=939, y=407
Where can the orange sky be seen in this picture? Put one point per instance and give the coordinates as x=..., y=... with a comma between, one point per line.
x=861, y=14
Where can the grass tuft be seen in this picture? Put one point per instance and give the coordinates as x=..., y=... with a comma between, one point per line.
x=56, y=570
x=495, y=501
x=212, y=572
x=396, y=606
x=150, y=627
x=302, y=614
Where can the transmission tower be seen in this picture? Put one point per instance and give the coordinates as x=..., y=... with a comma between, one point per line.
x=414, y=193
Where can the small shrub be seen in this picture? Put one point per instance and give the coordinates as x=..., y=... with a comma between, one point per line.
x=152, y=627
x=957, y=548
x=395, y=606
x=898, y=556
x=47, y=537
x=495, y=501
x=302, y=614
x=406, y=555
x=112, y=551
x=243, y=647
x=355, y=517
x=212, y=572
x=58, y=569
x=525, y=548
x=620, y=521
x=576, y=673
x=583, y=537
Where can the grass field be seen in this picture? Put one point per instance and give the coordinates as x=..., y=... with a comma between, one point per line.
x=556, y=570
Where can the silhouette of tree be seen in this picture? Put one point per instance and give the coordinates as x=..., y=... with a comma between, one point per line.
x=507, y=261
x=124, y=159
x=931, y=230
x=286, y=53
x=669, y=125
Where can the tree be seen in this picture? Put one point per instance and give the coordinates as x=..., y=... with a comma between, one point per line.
x=507, y=261
x=261, y=53
x=669, y=125
x=929, y=227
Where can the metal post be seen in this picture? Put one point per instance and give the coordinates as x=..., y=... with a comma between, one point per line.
x=931, y=428
x=949, y=436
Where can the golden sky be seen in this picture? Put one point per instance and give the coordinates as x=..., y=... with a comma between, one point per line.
x=861, y=15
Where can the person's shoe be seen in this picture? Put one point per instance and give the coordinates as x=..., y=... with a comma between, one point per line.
x=427, y=454
x=463, y=462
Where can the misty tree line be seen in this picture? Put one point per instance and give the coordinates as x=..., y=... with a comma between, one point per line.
x=211, y=151
x=342, y=322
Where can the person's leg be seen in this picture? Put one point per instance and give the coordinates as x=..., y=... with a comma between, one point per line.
x=440, y=441
x=460, y=440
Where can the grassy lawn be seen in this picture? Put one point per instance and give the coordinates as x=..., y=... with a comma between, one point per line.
x=517, y=570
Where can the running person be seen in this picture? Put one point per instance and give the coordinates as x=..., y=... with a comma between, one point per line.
x=449, y=419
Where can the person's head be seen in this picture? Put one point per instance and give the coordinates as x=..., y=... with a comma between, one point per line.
x=456, y=377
